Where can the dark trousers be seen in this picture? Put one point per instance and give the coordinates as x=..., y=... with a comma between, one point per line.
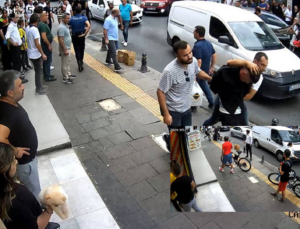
x=112, y=54
x=6, y=60
x=249, y=149
x=37, y=64
x=125, y=31
x=47, y=63
x=24, y=58
x=205, y=88
x=50, y=24
x=15, y=53
x=181, y=119
x=79, y=45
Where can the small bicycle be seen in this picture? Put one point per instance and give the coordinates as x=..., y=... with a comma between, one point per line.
x=243, y=163
x=294, y=182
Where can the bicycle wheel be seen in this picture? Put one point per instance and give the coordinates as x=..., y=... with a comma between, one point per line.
x=244, y=164
x=274, y=178
x=296, y=190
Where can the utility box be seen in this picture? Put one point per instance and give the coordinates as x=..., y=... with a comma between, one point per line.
x=127, y=57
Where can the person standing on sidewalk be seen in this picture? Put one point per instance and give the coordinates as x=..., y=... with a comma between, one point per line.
x=78, y=24
x=17, y=130
x=46, y=40
x=184, y=187
x=206, y=56
x=248, y=143
x=126, y=15
x=227, y=154
x=64, y=39
x=110, y=32
x=284, y=171
x=36, y=54
x=15, y=42
x=29, y=10
x=4, y=22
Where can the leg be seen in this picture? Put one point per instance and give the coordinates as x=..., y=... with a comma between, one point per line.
x=76, y=47
x=65, y=62
x=205, y=88
x=187, y=207
x=250, y=150
x=195, y=206
x=108, y=55
x=26, y=59
x=28, y=175
x=15, y=51
x=215, y=115
x=125, y=31
x=6, y=59
x=37, y=69
x=47, y=63
x=245, y=115
x=82, y=48
x=23, y=59
x=177, y=119
x=247, y=149
x=113, y=54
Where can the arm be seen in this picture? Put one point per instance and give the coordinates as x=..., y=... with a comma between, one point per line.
x=280, y=170
x=39, y=47
x=43, y=219
x=7, y=36
x=105, y=35
x=163, y=106
x=250, y=95
x=2, y=35
x=199, y=62
x=45, y=39
x=88, y=26
x=244, y=63
x=193, y=186
x=131, y=16
x=202, y=75
x=62, y=44
x=213, y=63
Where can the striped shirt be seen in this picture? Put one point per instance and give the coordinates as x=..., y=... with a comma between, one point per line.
x=174, y=85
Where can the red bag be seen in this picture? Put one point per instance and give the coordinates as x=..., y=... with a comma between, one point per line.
x=296, y=43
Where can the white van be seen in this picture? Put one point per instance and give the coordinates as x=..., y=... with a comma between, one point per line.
x=275, y=139
x=237, y=34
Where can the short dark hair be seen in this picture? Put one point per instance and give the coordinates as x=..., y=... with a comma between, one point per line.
x=290, y=144
x=179, y=45
x=200, y=30
x=78, y=9
x=254, y=77
x=248, y=131
x=34, y=18
x=226, y=138
x=114, y=11
x=176, y=169
x=287, y=153
x=7, y=81
x=20, y=22
x=259, y=55
x=257, y=9
x=38, y=10
x=12, y=14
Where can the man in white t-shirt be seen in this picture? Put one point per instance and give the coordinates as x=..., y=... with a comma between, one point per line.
x=29, y=10
x=68, y=7
x=288, y=15
x=42, y=4
x=35, y=53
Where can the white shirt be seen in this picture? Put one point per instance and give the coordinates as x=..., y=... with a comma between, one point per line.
x=43, y=4
x=68, y=9
x=288, y=13
x=292, y=151
x=295, y=28
x=13, y=33
x=256, y=85
x=228, y=2
x=29, y=10
x=32, y=51
x=249, y=139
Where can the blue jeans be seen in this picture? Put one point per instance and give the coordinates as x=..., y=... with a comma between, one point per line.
x=47, y=63
x=205, y=88
x=193, y=204
x=181, y=119
x=125, y=31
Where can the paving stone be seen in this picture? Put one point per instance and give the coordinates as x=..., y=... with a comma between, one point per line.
x=100, y=133
x=164, y=216
x=140, y=112
x=69, y=122
x=256, y=208
x=119, y=151
x=160, y=182
x=141, y=191
x=211, y=225
x=252, y=201
x=243, y=197
x=253, y=187
x=121, y=164
x=142, y=143
x=143, y=131
x=119, y=138
x=83, y=118
x=99, y=114
x=148, y=154
x=234, y=220
x=180, y=221
x=96, y=124
x=269, y=219
x=87, y=127
x=287, y=223
x=120, y=118
x=106, y=143
x=131, y=106
x=88, y=148
x=254, y=193
x=161, y=164
x=136, y=175
x=75, y=130
x=80, y=139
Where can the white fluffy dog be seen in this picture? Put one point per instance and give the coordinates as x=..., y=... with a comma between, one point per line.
x=55, y=197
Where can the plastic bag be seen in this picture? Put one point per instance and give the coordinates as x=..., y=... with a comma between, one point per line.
x=196, y=95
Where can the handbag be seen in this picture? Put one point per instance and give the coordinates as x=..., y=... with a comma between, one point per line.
x=53, y=226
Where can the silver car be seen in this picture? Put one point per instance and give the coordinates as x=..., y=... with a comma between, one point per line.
x=240, y=132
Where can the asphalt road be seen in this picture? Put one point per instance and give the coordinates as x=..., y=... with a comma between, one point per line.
x=269, y=156
x=150, y=37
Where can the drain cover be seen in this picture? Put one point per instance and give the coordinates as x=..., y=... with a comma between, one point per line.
x=109, y=105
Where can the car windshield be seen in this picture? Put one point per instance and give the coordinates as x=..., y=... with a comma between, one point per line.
x=273, y=20
x=255, y=36
x=289, y=136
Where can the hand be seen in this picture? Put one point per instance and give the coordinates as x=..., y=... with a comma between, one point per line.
x=211, y=71
x=25, y=48
x=15, y=44
x=50, y=48
x=106, y=41
x=66, y=52
x=254, y=69
x=44, y=57
x=21, y=152
x=82, y=35
x=122, y=27
x=130, y=22
x=49, y=209
x=168, y=119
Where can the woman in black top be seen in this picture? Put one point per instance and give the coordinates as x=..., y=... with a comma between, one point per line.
x=18, y=206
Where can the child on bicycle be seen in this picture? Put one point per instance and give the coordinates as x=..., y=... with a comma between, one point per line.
x=284, y=170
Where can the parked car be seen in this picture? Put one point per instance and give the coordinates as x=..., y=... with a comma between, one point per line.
x=238, y=34
x=156, y=6
x=224, y=128
x=99, y=7
x=240, y=132
x=275, y=139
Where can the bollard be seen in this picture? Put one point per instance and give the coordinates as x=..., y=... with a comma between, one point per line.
x=263, y=159
x=103, y=46
x=144, y=67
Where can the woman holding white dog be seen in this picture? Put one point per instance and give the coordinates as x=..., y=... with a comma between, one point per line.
x=18, y=206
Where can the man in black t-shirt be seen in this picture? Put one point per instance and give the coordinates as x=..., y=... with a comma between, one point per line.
x=284, y=170
x=17, y=130
x=184, y=187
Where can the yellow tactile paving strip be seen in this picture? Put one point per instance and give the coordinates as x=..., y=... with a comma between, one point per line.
x=123, y=84
x=289, y=195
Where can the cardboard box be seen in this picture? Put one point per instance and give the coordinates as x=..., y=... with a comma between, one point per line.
x=121, y=55
x=237, y=147
x=127, y=57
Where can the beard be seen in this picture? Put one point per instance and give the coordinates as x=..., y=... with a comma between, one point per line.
x=186, y=62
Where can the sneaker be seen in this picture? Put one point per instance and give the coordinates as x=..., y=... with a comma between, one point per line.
x=273, y=194
x=72, y=77
x=210, y=106
x=231, y=171
x=23, y=74
x=280, y=199
x=118, y=70
x=42, y=91
x=167, y=140
x=30, y=67
x=221, y=169
x=68, y=81
x=51, y=68
x=108, y=64
x=194, y=109
x=51, y=78
x=24, y=80
x=125, y=44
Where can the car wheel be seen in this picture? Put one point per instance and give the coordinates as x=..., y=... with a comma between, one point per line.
x=244, y=137
x=279, y=156
x=91, y=15
x=256, y=143
x=231, y=133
